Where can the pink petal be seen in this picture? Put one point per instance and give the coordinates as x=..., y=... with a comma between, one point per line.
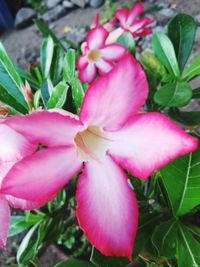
x=122, y=15
x=143, y=22
x=88, y=73
x=114, y=35
x=112, y=98
x=95, y=22
x=82, y=62
x=109, y=26
x=148, y=142
x=13, y=146
x=103, y=66
x=107, y=208
x=4, y=169
x=134, y=12
x=142, y=32
x=18, y=203
x=38, y=177
x=113, y=52
x=4, y=221
x=47, y=128
x=96, y=37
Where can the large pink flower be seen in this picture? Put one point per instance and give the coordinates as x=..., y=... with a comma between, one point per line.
x=129, y=22
x=108, y=136
x=97, y=55
x=13, y=147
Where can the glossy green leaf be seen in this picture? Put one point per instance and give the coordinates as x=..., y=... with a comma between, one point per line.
x=164, y=239
x=188, y=248
x=70, y=64
x=27, y=248
x=10, y=82
x=174, y=95
x=74, y=263
x=28, y=77
x=20, y=223
x=77, y=93
x=102, y=261
x=46, y=54
x=181, y=179
x=193, y=70
x=164, y=51
x=189, y=118
x=46, y=90
x=71, y=76
x=181, y=31
x=44, y=29
x=56, y=70
x=58, y=96
x=127, y=40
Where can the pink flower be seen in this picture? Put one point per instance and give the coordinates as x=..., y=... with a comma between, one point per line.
x=13, y=147
x=97, y=55
x=129, y=22
x=108, y=136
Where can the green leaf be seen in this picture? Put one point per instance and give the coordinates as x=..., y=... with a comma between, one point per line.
x=27, y=248
x=77, y=93
x=10, y=82
x=74, y=263
x=189, y=118
x=43, y=28
x=70, y=63
x=46, y=90
x=188, y=248
x=56, y=71
x=164, y=51
x=71, y=76
x=152, y=64
x=58, y=96
x=46, y=53
x=28, y=77
x=181, y=31
x=20, y=223
x=126, y=39
x=164, y=239
x=181, y=179
x=193, y=70
x=102, y=261
x=174, y=95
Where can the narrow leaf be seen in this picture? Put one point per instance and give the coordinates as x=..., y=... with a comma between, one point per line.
x=164, y=51
x=181, y=31
x=193, y=70
x=58, y=96
x=46, y=90
x=10, y=84
x=46, y=53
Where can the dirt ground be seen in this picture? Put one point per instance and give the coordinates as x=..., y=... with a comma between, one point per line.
x=22, y=44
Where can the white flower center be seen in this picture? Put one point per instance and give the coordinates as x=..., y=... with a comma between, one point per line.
x=91, y=143
x=94, y=55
